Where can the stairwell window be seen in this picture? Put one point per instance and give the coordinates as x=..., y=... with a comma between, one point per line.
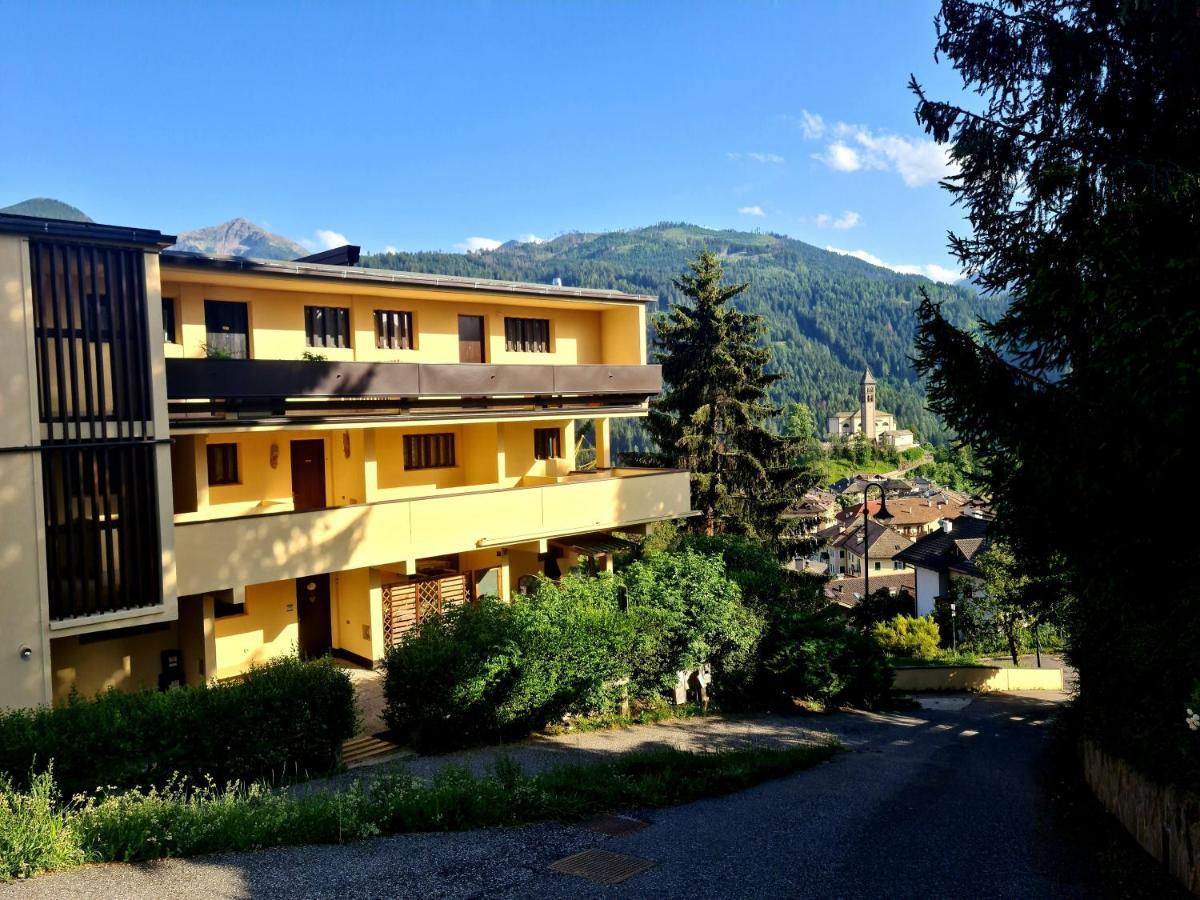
x=168, y=320
x=222, y=464
x=393, y=329
x=526, y=335
x=547, y=443
x=429, y=451
x=327, y=326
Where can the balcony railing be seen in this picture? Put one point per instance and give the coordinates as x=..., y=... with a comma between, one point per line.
x=223, y=553
x=276, y=379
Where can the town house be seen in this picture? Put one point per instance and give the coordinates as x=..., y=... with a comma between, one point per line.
x=209, y=462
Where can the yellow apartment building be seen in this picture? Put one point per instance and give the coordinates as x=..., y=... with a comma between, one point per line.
x=209, y=462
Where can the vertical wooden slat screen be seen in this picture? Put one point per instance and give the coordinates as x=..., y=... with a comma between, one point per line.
x=99, y=485
x=407, y=604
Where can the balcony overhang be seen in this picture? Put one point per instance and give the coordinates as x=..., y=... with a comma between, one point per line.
x=269, y=388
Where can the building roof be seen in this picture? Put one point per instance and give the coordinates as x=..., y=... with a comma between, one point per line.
x=909, y=510
x=953, y=550
x=356, y=275
x=867, y=378
x=849, y=591
x=35, y=226
x=882, y=542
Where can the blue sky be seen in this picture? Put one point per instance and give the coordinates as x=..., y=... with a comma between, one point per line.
x=446, y=125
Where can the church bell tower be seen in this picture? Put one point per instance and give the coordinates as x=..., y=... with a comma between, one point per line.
x=866, y=398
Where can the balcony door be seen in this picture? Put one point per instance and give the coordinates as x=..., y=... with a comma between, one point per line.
x=308, y=474
x=470, y=339
x=312, y=616
x=228, y=329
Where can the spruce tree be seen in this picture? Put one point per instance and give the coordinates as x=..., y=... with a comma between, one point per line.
x=1078, y=169
x=713, y=413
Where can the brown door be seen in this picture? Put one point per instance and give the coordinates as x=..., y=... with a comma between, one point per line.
x=308, y=474
x=312, y=615
x=470, y=339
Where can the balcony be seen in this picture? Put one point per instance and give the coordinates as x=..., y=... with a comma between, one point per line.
x=223, y=553
x=258, y=388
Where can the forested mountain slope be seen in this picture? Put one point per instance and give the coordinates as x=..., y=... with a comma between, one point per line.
x=827, y=315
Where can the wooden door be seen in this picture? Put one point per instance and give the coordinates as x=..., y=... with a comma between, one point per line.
x=312, y=616
x=470, y=339
x=308, y=474
x=227, y=324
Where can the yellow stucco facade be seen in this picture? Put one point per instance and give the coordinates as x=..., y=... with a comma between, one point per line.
x=290, y=519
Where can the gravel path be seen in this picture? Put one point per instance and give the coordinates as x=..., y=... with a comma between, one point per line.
x=940, y=802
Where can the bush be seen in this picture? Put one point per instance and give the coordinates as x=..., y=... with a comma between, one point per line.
x=35, y=835
x=494, y=670
x=912, y=636
x=816, y=656
x=685, y=611
x=498, y=670
x=281, y=721
x=882, y=606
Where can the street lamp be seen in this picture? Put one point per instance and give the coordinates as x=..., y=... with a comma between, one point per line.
x=882, y=514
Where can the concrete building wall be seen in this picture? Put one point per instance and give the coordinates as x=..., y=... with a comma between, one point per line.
x=24, y=636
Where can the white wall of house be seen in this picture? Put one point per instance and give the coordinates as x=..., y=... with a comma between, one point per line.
x=929, y=587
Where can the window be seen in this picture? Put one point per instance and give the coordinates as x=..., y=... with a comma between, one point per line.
x=526, y=335
x=878, y=565
x=168, y=317
x=393, y=330
x=327, y=326
x=547, y=443
x=428, y=451
x=222, y=464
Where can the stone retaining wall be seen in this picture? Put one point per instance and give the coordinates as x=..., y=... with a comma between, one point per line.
x=1164, y=820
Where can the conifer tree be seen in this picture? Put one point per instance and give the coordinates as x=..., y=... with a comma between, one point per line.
x=1078, y=170
x=712, y=415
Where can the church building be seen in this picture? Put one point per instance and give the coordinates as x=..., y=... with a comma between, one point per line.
x=875, y=424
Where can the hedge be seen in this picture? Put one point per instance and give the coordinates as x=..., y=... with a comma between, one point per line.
x=282, y=721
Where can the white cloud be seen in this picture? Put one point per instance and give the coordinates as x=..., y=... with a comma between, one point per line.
x=932, y=271
x=327, y=239
x=844, y=222
x=812, y=126
x=840, y=157
x=390, y=249
x=918, y=161
x=531, y=239
x=477, y=244
x=752, y=211
x=756, y=156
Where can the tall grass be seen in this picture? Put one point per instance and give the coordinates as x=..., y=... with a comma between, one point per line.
x=183, y=820
x=36, y=833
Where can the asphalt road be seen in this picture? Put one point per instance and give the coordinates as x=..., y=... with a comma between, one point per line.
x=946, y=801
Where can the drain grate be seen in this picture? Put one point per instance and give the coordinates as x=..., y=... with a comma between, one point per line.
x=602, y=866
x=613, y=826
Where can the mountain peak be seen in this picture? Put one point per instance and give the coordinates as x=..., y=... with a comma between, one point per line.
x=237, y=237
x=47, y=208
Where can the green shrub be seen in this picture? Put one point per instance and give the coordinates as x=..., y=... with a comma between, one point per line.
x=686, y=611
x=495, y=670
x=35, y=834
x=281, y=721
x=882, y=606
x=816, y=656
x=912, y=636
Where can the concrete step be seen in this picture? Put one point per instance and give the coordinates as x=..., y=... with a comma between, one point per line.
x=369, y=748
